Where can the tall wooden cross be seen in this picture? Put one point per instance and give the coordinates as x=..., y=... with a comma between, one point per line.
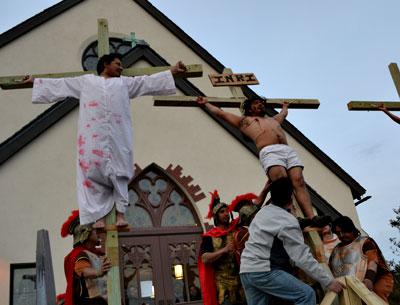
x=234, y=81
x=15, y=82
x=373, y=105
x=112, y=249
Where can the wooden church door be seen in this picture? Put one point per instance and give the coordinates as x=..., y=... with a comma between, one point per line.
x=159, y=255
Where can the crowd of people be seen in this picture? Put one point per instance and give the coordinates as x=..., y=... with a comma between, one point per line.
x=269, y=246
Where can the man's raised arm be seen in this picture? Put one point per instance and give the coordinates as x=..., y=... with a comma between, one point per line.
x=389, y=114
x=230, y=118
x=280, y=117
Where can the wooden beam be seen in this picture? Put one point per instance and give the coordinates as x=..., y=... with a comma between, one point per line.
x=369, y=297
x=233, y=79
x=329, y=298
x=372, y=105
x=15, y=82
x=45, y=287
x=103, y=47
x=293, y=103
x=190, y=101
x=112, y=252
x=394, y=71
x=191, y=71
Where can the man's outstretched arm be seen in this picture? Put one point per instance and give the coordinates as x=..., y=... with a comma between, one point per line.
x=389, y=114
x=230, y=118
x=51, y=90
x=280, y=117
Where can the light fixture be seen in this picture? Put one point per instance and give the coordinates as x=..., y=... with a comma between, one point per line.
x=178, y=272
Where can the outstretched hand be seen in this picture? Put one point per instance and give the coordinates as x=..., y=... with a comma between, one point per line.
x=336, y=286
x=106, y=265
x=382, y=107
x=178, y=68
x=201, y=100
x=28, y=79
x=285, y=104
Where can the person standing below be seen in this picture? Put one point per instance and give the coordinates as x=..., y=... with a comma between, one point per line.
x=275, y=240
x=360, y=256
x=218, y=267
x=389, y=114
x=85, y=267
x=105, y=133
x=276, y=157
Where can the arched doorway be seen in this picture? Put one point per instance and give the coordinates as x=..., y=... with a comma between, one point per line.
x=159, y=255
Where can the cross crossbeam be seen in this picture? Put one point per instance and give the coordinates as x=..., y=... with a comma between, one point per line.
x=373, y=105
x=15, y=82
x=190, y=101
x=232, y=102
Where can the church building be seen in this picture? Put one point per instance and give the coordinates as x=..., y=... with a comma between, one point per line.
x=181, y=153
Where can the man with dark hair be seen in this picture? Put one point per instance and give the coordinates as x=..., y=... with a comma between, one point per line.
x=276, y=157
x=275, y=240
x=106, y=60
x=105, y=133
x=361, y=257
x=218, y=267
x=85, y=267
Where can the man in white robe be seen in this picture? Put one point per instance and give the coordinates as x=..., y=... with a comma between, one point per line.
x=105, y=158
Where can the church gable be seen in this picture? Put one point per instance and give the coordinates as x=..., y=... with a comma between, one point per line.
x=167, y=48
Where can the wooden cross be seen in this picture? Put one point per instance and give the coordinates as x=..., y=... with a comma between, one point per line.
x=15, y=82
x=112, y=248
x=373, y=105
x=234, y=81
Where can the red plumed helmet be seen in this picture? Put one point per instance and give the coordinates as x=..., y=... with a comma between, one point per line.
x=235, y=204
x=70, y=224
x=214, y=201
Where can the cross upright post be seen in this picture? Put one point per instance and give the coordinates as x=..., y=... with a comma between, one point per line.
x=111, y=244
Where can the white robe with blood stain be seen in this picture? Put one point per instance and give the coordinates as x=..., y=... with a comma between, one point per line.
x=105, y=135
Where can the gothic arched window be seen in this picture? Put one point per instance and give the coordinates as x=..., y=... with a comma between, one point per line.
x=90, y=55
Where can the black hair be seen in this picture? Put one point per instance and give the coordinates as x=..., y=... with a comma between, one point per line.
x=248, y=102
x=106, y=60
x=281, y=191
x=346, y=225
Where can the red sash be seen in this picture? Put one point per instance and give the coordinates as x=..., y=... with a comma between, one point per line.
x=206, y=272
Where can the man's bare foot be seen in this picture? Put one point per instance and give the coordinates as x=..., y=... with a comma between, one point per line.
x=121, y=222
x=100, y=224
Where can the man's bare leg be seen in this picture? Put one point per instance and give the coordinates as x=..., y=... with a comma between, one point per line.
x=100, y=224
x=300, y=191
x=121, y=222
